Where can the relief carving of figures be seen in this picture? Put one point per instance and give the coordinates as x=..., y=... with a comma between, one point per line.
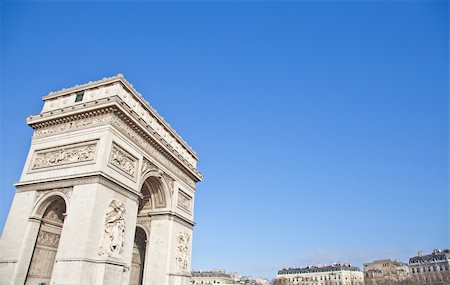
x=123, y=160
x=114, y=230
x=132, y=134
x=64, y=155
x=182, y=256
x=77, y=123
x=48, y=239
x=72, y=125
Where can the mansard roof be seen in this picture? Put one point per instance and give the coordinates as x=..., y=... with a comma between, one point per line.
x=437, y=255
x=315, y=269
x=211, y=274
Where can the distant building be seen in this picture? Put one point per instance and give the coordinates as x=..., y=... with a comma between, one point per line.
x=220, y=276
x=431, y=269
x=386, y=271
x=335, y=274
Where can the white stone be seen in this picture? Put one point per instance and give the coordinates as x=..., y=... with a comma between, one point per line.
x=104, y=165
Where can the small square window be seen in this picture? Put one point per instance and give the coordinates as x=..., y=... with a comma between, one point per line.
x=79, y=97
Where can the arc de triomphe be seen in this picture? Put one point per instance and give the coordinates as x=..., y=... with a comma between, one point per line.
x=106, y=195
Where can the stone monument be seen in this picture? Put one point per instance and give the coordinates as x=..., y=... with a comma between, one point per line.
x=106, y=195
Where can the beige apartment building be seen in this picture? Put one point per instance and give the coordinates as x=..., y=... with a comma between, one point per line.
x=220, y=276
x=334, y=274
x=431, y=269
x=384, y=272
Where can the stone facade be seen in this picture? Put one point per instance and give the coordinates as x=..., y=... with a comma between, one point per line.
x=213, y=277
x=335, y=274
x=220, y=276
x=385, y=272
x=106, y=195
x=431, y=269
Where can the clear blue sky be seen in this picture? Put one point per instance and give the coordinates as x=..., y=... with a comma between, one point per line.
x=322, y=127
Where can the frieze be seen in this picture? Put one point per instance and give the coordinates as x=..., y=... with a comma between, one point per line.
x=73, y=123
x=68, y=154
x=123, y=160
x=137, y=104
x=184, y=201
x=109, y=115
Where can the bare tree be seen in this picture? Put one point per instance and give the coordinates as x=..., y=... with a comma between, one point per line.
x=280, y=281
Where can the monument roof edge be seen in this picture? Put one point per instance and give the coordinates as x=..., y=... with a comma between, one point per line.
x=80, y=87
x=121, y=78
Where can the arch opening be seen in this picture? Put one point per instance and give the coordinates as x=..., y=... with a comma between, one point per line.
x=47, y=241
x=138, y=257
x=153, y=198
x=153, y=195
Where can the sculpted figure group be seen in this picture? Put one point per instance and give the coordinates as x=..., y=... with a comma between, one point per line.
x=114, y=229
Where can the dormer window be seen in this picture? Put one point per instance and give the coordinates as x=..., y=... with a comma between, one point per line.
x=79, y=97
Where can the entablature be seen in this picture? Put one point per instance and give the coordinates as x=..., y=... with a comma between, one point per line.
x=119, y=86
x=114, y=111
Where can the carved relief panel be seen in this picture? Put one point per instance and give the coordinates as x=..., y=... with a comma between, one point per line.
x=47, y=242
x=150, y=149
x=123, y=161
x=184, y=201
x=113, y=230
x=74, y=123
x=44, y=255
x=64, y=155
x=183, y=252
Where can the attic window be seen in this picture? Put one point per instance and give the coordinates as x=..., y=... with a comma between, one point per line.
x=79, y=97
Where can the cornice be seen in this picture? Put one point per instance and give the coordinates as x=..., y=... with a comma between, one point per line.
x=91, y=178
x=162, y=215
x=119, y=78
x=110, y=261
x=136, y=123
x=117, y=106
x=71, y=113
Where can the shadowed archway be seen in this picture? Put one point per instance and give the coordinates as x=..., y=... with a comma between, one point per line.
x=138, y=257
x=46, y=246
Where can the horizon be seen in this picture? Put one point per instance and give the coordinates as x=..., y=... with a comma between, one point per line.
x=321, y=127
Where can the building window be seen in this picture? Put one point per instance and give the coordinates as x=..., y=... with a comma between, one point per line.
x=79, y=97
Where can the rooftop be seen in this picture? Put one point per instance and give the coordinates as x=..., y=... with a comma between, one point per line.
x=314, y=269
x=436, y=255
x=387, y=261
x=212, y=273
